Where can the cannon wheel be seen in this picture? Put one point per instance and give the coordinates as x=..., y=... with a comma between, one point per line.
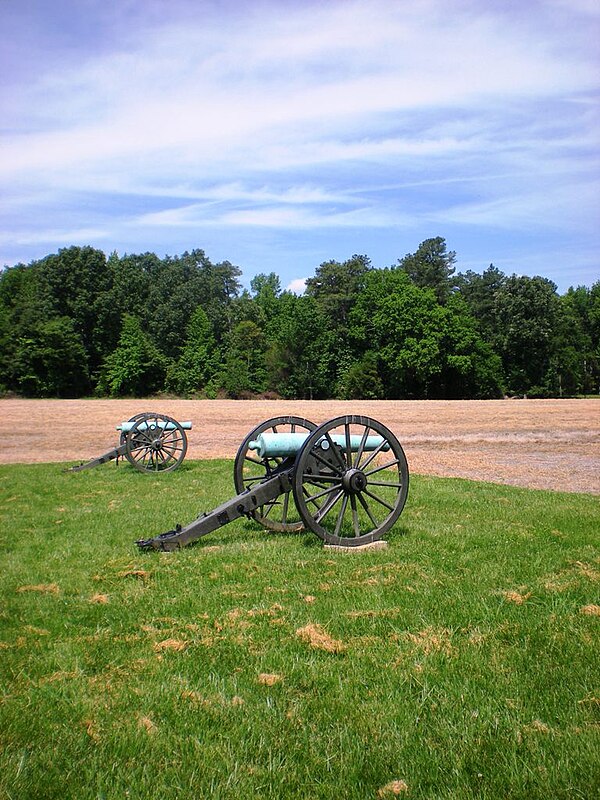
x=156, y=443
x=249, y=469
x=142, y=415
x=350, y=498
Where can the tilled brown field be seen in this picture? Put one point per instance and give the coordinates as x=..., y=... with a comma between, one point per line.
x=544, y=444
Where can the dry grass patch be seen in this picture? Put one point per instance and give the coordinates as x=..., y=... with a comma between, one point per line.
x=538, y=726
x=265, y=612
x=269, y=678
x=384, y=613
x=592, y=610
x=588, y=571
x=169, y=644
x=392, y=789
x=100, y=599
x=44, y=588
x=516, y=597
x=318, y=638
x=36, y=631
x=570, y=577
x=146, y=724
x=535, y=728
x=432, y=640
x=195, y=697
x=59, y=676
x=475, y=637
x=594, y=702
x=142, y=574
x=91, y=730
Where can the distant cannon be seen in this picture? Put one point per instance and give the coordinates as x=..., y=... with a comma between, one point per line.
x=345, y=480
x=150, y=442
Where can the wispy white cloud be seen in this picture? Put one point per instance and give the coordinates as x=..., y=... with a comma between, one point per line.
x=308, y=117
x=304, y=219
x=203, y=91
x=53, y=236
x=297, y=286
x=238, y=192
x=574, y=205
x=300, y=217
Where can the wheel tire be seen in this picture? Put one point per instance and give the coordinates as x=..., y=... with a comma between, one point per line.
x=249, y=469
x=156, y=443
x=339, y=492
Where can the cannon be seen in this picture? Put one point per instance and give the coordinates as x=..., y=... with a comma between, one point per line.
x=150, y=442
x=345, y=480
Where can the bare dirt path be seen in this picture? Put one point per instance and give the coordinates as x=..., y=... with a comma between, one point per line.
x=545, y=444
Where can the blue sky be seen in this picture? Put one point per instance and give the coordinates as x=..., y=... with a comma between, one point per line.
x=279, y=135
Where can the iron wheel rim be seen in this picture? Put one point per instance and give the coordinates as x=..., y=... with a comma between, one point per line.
x=350, y=498
x=156, y=443
x=249, y=469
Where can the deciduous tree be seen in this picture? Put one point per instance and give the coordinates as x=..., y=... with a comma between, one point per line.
x=136, y=367
x=527, y=311
x=50, y=361
x=198, y=360
x=431, y=266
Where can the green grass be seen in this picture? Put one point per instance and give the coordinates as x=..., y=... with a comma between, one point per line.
x=460, y=660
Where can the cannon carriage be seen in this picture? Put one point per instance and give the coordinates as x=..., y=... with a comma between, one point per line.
x=345, y=480
x=151, y=442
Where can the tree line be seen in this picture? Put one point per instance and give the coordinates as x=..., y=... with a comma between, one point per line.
x=77, y=323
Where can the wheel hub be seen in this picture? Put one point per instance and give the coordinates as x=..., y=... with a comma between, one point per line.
x=354, y=481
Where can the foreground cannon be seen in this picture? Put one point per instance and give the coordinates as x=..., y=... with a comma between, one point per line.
x=150, y=442
x=345, y=480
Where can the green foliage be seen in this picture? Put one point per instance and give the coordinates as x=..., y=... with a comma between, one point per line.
x=527, y=312
x=131, y=278
x=178, y=286
x=426, y=350
x=300, y=355
x=335, y=288
x=21, y=297
x=50, y=361
x=473, y=369
x=409, y=326
x=76, y=284
x=461, y=659
x=575, y=360
x=414, y=330
x=431, y=267
x=362, y=381
x=266, y=284
x=245, y=368
x=479, y=291
x=136, y=368
x=196, y=364
x=22, y=307
x=264, y=307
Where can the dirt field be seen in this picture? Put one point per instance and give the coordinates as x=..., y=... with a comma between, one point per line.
x=545, y=444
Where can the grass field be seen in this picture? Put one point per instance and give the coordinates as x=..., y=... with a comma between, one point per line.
x=460, y=662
